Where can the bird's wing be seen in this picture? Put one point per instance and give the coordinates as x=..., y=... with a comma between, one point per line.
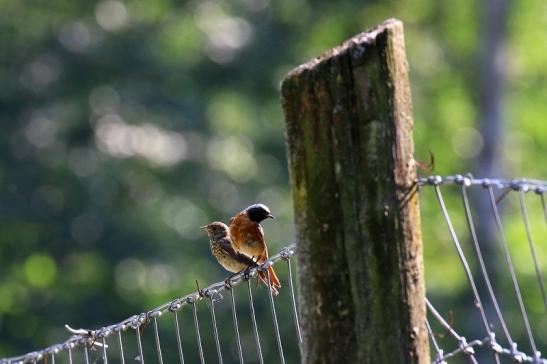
x=226, y=245
x=257, y=234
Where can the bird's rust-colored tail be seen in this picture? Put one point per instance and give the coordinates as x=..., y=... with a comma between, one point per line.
x=274, y=281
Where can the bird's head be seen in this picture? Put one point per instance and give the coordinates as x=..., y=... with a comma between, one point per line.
x=258, y=212
x=216, y=230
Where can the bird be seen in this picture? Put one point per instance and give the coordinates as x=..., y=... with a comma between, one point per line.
x=222, y=250
x=247, y=237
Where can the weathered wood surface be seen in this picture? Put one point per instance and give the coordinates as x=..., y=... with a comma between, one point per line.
x=350, y=150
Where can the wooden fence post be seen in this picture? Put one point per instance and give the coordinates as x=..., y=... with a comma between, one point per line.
x=350, y=150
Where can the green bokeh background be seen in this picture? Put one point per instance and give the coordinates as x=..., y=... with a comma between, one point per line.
x=127, y=125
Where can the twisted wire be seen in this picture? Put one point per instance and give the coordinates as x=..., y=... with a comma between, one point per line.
x=274, y=317
x=91, y=337
x=236, y=326
x=286, y=255
x=120, y=343
x=478, y=253
x=157, y=337
x=521, y=186
x=511, y=267
x=255, y=326
x=174, y=308
x=539, y=275
x=211, y=296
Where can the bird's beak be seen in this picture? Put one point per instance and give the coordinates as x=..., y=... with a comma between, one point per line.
x=271, y=216
x=203, y=227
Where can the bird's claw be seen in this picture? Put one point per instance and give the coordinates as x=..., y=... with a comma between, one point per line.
x=247, y=273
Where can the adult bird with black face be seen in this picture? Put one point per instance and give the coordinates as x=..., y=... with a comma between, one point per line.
x=259, y=212
x=247, y=237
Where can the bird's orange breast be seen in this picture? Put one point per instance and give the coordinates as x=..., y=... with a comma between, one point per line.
x=247, y=237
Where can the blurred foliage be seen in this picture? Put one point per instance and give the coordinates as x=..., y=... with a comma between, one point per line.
x=127, y=125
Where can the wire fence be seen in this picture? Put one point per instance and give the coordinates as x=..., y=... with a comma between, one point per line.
x=84, y=342
x=113, y=339
x=496, y=191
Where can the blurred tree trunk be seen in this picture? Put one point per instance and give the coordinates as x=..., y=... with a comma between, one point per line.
x=490, y=160
x=492, y=83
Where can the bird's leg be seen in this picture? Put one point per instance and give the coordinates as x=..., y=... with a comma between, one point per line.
x=247, y=273
x=228, y=281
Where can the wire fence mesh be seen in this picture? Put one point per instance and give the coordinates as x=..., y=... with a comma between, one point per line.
x=497, y=339
x=125, y=341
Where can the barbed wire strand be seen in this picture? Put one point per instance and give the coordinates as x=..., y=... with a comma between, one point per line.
x=236, y=326
x=274, y=318
x=539, y=276
x=198, y=335
x=505, y=247
x=120, y=345
x=286, y=256
x=157, y=339
x=215, y=328
x=485, y=275
x=174, y=309
x=253, y=320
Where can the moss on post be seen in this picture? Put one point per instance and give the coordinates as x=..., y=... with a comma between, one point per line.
x=350, y=150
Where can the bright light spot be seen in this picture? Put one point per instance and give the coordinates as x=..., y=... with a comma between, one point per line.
x=40, y=270
x=77, y=37
x=226, y=35
x=111, y=15
x=115, y=137
x=234, y=156
x=160, y=278
x=183, y=216
x=130, y=275
x=467, y=142
x=104, y=99
x=41, y=72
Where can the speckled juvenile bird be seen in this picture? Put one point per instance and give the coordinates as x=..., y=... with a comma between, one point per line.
x=221, y=247
x=247, y=237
